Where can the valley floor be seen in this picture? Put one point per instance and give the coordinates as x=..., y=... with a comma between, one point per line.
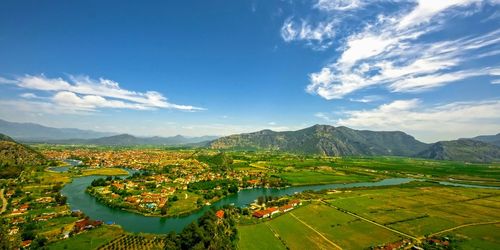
x=364, y=218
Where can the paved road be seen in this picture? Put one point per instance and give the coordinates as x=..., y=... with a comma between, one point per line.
x=316, y=231
x=4, y=202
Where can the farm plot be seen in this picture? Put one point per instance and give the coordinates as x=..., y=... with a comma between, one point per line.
x=258, y=237
x=135, y=242
x=422, y=211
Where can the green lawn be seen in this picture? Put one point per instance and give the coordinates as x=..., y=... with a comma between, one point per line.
x=258, y=237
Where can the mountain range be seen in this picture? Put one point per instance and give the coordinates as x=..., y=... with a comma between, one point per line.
x=130, y=140
x=318, y=139
x=31, y=132
x=36, y=132
x=343, y=141
x=492, y=139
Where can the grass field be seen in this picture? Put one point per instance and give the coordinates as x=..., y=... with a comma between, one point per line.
x=343, y=230
x=478, y=237
x=90, y=239
x=258, y=237
x=310, y=177
x=365, y=217
x=104, y=171
x=425, y=210
x=183, y=205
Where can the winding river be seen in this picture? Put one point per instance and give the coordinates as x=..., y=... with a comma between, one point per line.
x=132, y=222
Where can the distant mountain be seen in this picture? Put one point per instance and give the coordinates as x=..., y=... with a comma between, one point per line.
x=14, y=157
x=325, y=140
x=36, y=132
x=492, y=139
x=462, y=150
x=130, y=140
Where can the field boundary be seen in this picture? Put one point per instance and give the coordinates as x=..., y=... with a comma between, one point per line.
x=372, y=222
x=316, y=231
x=275, y=234
x=465, y=225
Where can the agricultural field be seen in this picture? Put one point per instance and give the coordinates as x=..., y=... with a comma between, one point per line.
x=104, y=171
x=258, y=236
x=313, y=177
x=135, y=242
x=370, y=217
x=422, y=210
x=91, y=239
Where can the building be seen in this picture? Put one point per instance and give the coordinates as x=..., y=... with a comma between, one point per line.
x=220, y=214
x=286, y=208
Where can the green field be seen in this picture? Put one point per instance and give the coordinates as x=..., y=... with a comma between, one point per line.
x=478, y=237
x=366, y=217
x=308, y=177
x=90, y=239
x=422, y=210
x=258, y=237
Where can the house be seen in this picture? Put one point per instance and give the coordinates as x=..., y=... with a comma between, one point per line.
x=261, y=214
x=118, y=186
x=266, y=213
x=273, y=210
x=220, y=214
x=286, y=208
x=295, y=202
x=132, y=199
x=24, y=207
x=26, y=243
x=45, y=200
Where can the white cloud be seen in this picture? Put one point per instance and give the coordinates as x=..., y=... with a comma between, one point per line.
x=86, y=94
x=367, y=99
x=318, y=37
x=338, y=5
x=427, y=9
x=28, y=95
x=389, y=52
x=440, y=122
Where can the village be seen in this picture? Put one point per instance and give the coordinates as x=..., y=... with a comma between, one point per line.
x=37, y=213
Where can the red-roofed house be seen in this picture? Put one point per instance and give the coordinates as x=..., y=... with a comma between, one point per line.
x=220, y=214
x=286, y=208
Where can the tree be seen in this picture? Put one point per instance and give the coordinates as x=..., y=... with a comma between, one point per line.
x=163, y=210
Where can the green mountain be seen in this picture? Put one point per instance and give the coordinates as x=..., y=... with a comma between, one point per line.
x=325, y=140
x=14, y=157
x=492, y=139
x=462, y=150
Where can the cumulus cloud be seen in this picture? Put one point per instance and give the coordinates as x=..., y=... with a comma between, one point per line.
x=81, y=93
x=439, y=122
x=389, y=50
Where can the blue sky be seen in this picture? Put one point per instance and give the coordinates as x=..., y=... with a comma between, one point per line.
x=429, y=68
